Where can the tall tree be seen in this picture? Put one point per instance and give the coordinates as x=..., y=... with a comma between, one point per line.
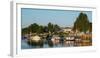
x=50, y=27
x=56, y=28
x=90, y=27
x=82, y=23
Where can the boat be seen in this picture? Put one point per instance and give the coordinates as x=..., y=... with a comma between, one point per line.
x=35, y=40
x=69, y=38
x=55, y=39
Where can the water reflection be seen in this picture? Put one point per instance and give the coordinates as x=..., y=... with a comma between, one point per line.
x=53, y=42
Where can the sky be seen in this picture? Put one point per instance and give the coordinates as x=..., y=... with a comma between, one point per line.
x=63, y=18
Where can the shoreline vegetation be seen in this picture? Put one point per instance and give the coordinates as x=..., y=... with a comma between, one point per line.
x=53, y=34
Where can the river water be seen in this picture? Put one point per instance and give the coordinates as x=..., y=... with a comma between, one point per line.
x=25, y=45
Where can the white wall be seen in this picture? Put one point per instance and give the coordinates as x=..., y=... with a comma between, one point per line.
x=5, y=28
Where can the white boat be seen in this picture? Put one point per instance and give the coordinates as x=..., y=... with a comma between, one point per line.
x=69, y=38
x=35, y=38
x=55, y=39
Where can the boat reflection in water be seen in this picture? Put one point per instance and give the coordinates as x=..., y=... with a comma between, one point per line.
x=54, y=41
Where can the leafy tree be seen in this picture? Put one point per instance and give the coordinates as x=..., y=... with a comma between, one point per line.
x=50, y=27
x=90, y=27
x=40, y=29
x=24, y=31
x=56, y=28
x=45, y=29
x=33, y=27
x=82, y=23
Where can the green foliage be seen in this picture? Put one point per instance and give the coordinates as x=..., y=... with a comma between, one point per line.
x=56, y=28
x=35, y=28
x=90, y=27
x=63, y=34
x=82, y=23
x=25, y=31
x=53, y=28
x=50, y=27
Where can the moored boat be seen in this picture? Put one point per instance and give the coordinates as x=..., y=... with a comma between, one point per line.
x=35, y=40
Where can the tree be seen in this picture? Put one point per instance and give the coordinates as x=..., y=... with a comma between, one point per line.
x=82, y=23
x=56, y=28
x=24, y=31
x=40, y=29
x=90, y=27
x=50, y=27
x=45, y=29
x=34, y=28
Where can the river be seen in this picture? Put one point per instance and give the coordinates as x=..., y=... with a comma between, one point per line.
x=48, y=44
x=25, y=45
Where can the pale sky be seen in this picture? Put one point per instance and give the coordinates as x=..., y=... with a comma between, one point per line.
x=63, y=18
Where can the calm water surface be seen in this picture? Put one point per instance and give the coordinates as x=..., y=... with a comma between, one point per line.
x=25, y=45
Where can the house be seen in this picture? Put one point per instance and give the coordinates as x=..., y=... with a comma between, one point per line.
x=66, y=30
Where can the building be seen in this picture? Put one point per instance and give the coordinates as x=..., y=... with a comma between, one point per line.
x=67, y=30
